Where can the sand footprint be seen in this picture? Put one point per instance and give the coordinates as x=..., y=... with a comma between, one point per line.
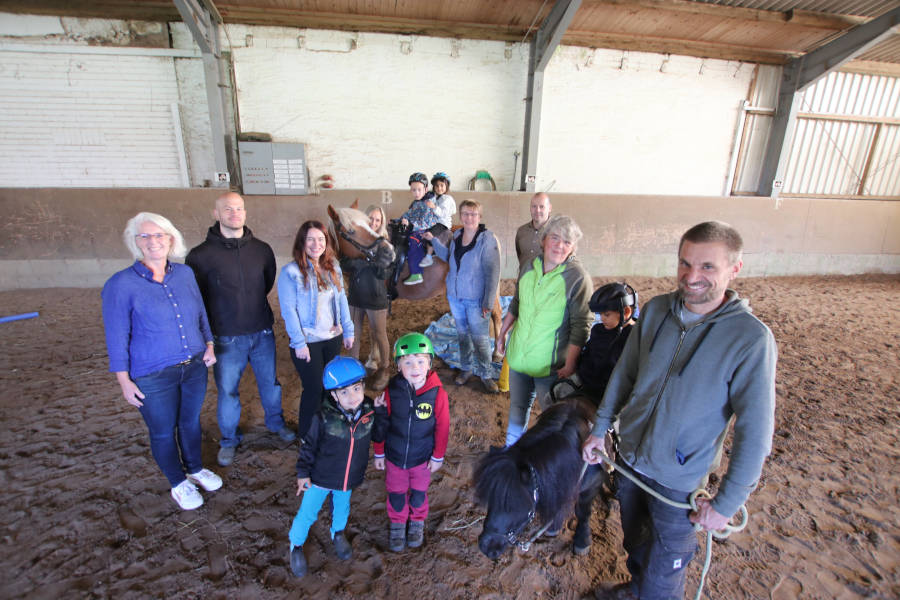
x=132, y=521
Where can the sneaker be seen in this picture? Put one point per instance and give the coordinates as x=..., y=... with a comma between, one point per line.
x=225, y=456
x=489, y=385
x=286, y=434
x=342, y=546
x=298, y=562
x=187, y=496
x=416, y=534
x=206, y=479
x=415, y=279
x=427, y=261
x=462, y=377
x=397, y=537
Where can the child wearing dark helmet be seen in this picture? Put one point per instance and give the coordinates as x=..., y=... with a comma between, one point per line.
x=333, y=456
x=416, y=415
x=617, y=305
x=422, y=217
x=444, y=208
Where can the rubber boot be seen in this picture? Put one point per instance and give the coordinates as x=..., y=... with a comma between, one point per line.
x=342, y=546
x=416, y=535
x=298, y=562
x=503, y=382
x=397, y=537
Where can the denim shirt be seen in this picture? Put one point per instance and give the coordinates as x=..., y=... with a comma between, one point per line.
x=152, y=325
x=298, y=303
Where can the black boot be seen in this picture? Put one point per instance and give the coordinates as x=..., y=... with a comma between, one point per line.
x=397, y=538
x=342, y=546
x=298, y=562
x=416, y=534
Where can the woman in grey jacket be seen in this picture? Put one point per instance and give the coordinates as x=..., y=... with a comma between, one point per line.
x=472, y=282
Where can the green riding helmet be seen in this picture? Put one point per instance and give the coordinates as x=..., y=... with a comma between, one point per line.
x=413, y=343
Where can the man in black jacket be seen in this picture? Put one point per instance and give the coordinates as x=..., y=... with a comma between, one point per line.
x=235, y=272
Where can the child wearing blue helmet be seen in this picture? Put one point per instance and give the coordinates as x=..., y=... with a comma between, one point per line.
x=444, y=208
x=333, y=456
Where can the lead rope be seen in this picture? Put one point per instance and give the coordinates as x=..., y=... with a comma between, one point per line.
x=698, y=493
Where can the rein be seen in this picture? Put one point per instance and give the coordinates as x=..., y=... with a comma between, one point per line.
x=698, y=493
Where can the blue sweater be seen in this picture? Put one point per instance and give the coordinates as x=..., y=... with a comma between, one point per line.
x=152, y=325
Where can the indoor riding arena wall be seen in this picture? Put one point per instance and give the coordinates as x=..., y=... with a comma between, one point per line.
x=73, y=237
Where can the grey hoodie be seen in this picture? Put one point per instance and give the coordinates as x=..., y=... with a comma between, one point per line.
x=676, y=388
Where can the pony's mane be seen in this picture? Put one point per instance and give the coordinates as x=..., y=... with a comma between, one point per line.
x=553, y=448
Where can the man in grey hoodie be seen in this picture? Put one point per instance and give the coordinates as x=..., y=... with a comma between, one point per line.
x=696, y=361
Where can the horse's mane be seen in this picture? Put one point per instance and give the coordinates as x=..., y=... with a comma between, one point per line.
x=553, y=448
x=350, y=219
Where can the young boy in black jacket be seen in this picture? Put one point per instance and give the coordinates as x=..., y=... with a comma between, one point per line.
x=617, y=305
x=333, y=456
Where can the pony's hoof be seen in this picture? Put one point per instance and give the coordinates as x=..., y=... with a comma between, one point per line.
x=380, y=381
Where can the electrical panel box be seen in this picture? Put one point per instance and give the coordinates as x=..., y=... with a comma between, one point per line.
x=273, y=168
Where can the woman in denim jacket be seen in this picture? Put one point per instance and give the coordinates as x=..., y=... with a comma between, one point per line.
x=315, y=311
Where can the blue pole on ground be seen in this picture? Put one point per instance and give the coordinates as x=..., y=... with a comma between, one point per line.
x=30, y=315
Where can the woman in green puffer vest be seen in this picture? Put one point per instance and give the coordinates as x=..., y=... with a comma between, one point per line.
x=550, y=321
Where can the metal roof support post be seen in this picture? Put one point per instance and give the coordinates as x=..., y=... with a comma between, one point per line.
x=204, y=26
x=541, y=50
x=802, y=72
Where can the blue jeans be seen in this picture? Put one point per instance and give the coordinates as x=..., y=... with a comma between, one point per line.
x=313, y=498
x=522, y=391
x=232, y=355
x=416, y=252
x=172, y=401
x=659, y=539
x=473, y=331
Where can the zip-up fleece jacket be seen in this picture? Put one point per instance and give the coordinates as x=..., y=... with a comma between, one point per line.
x=335, y=450
x=417, y=422
x=478, y=274
x=551, y=312
x=234, y=275
x=677, y=387
x=299, y=302
x=366, y=278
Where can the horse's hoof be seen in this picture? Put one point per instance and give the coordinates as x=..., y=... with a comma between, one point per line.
x=581, y=550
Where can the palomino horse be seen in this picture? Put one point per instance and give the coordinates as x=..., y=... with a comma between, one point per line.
x=350, y=229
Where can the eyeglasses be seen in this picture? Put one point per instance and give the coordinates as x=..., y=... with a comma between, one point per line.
x=469, y=214
x=146, y=237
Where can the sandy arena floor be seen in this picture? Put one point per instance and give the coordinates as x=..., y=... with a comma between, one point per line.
x=87, y=512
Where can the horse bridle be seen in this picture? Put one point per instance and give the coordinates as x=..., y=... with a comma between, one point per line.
x=368, y=251
x=512, y=536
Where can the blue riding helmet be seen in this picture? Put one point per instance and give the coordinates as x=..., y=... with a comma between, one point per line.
x=441, y=176
x=420, y=177
x=342, y=371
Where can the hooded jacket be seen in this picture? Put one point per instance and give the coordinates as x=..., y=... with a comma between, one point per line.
x=234, y=275
x=366, y=278
x=335, y=450
x=477, y=275
x=677, y=387
x=416, y=422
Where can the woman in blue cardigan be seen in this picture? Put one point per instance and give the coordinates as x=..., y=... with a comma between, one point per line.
x=315, y=311
x=472, y=282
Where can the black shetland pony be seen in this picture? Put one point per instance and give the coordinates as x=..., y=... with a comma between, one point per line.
x=537, y=478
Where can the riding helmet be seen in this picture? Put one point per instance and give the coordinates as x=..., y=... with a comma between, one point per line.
x=420, y=177
x=413, y=343
x=342, y=371
x=440, y=176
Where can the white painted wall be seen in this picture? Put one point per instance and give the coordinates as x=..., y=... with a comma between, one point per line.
x=638, y=123
x=373, y=108
x=76, y=120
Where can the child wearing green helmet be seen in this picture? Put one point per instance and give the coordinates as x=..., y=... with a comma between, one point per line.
x=414, y=414
x=333, y=456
